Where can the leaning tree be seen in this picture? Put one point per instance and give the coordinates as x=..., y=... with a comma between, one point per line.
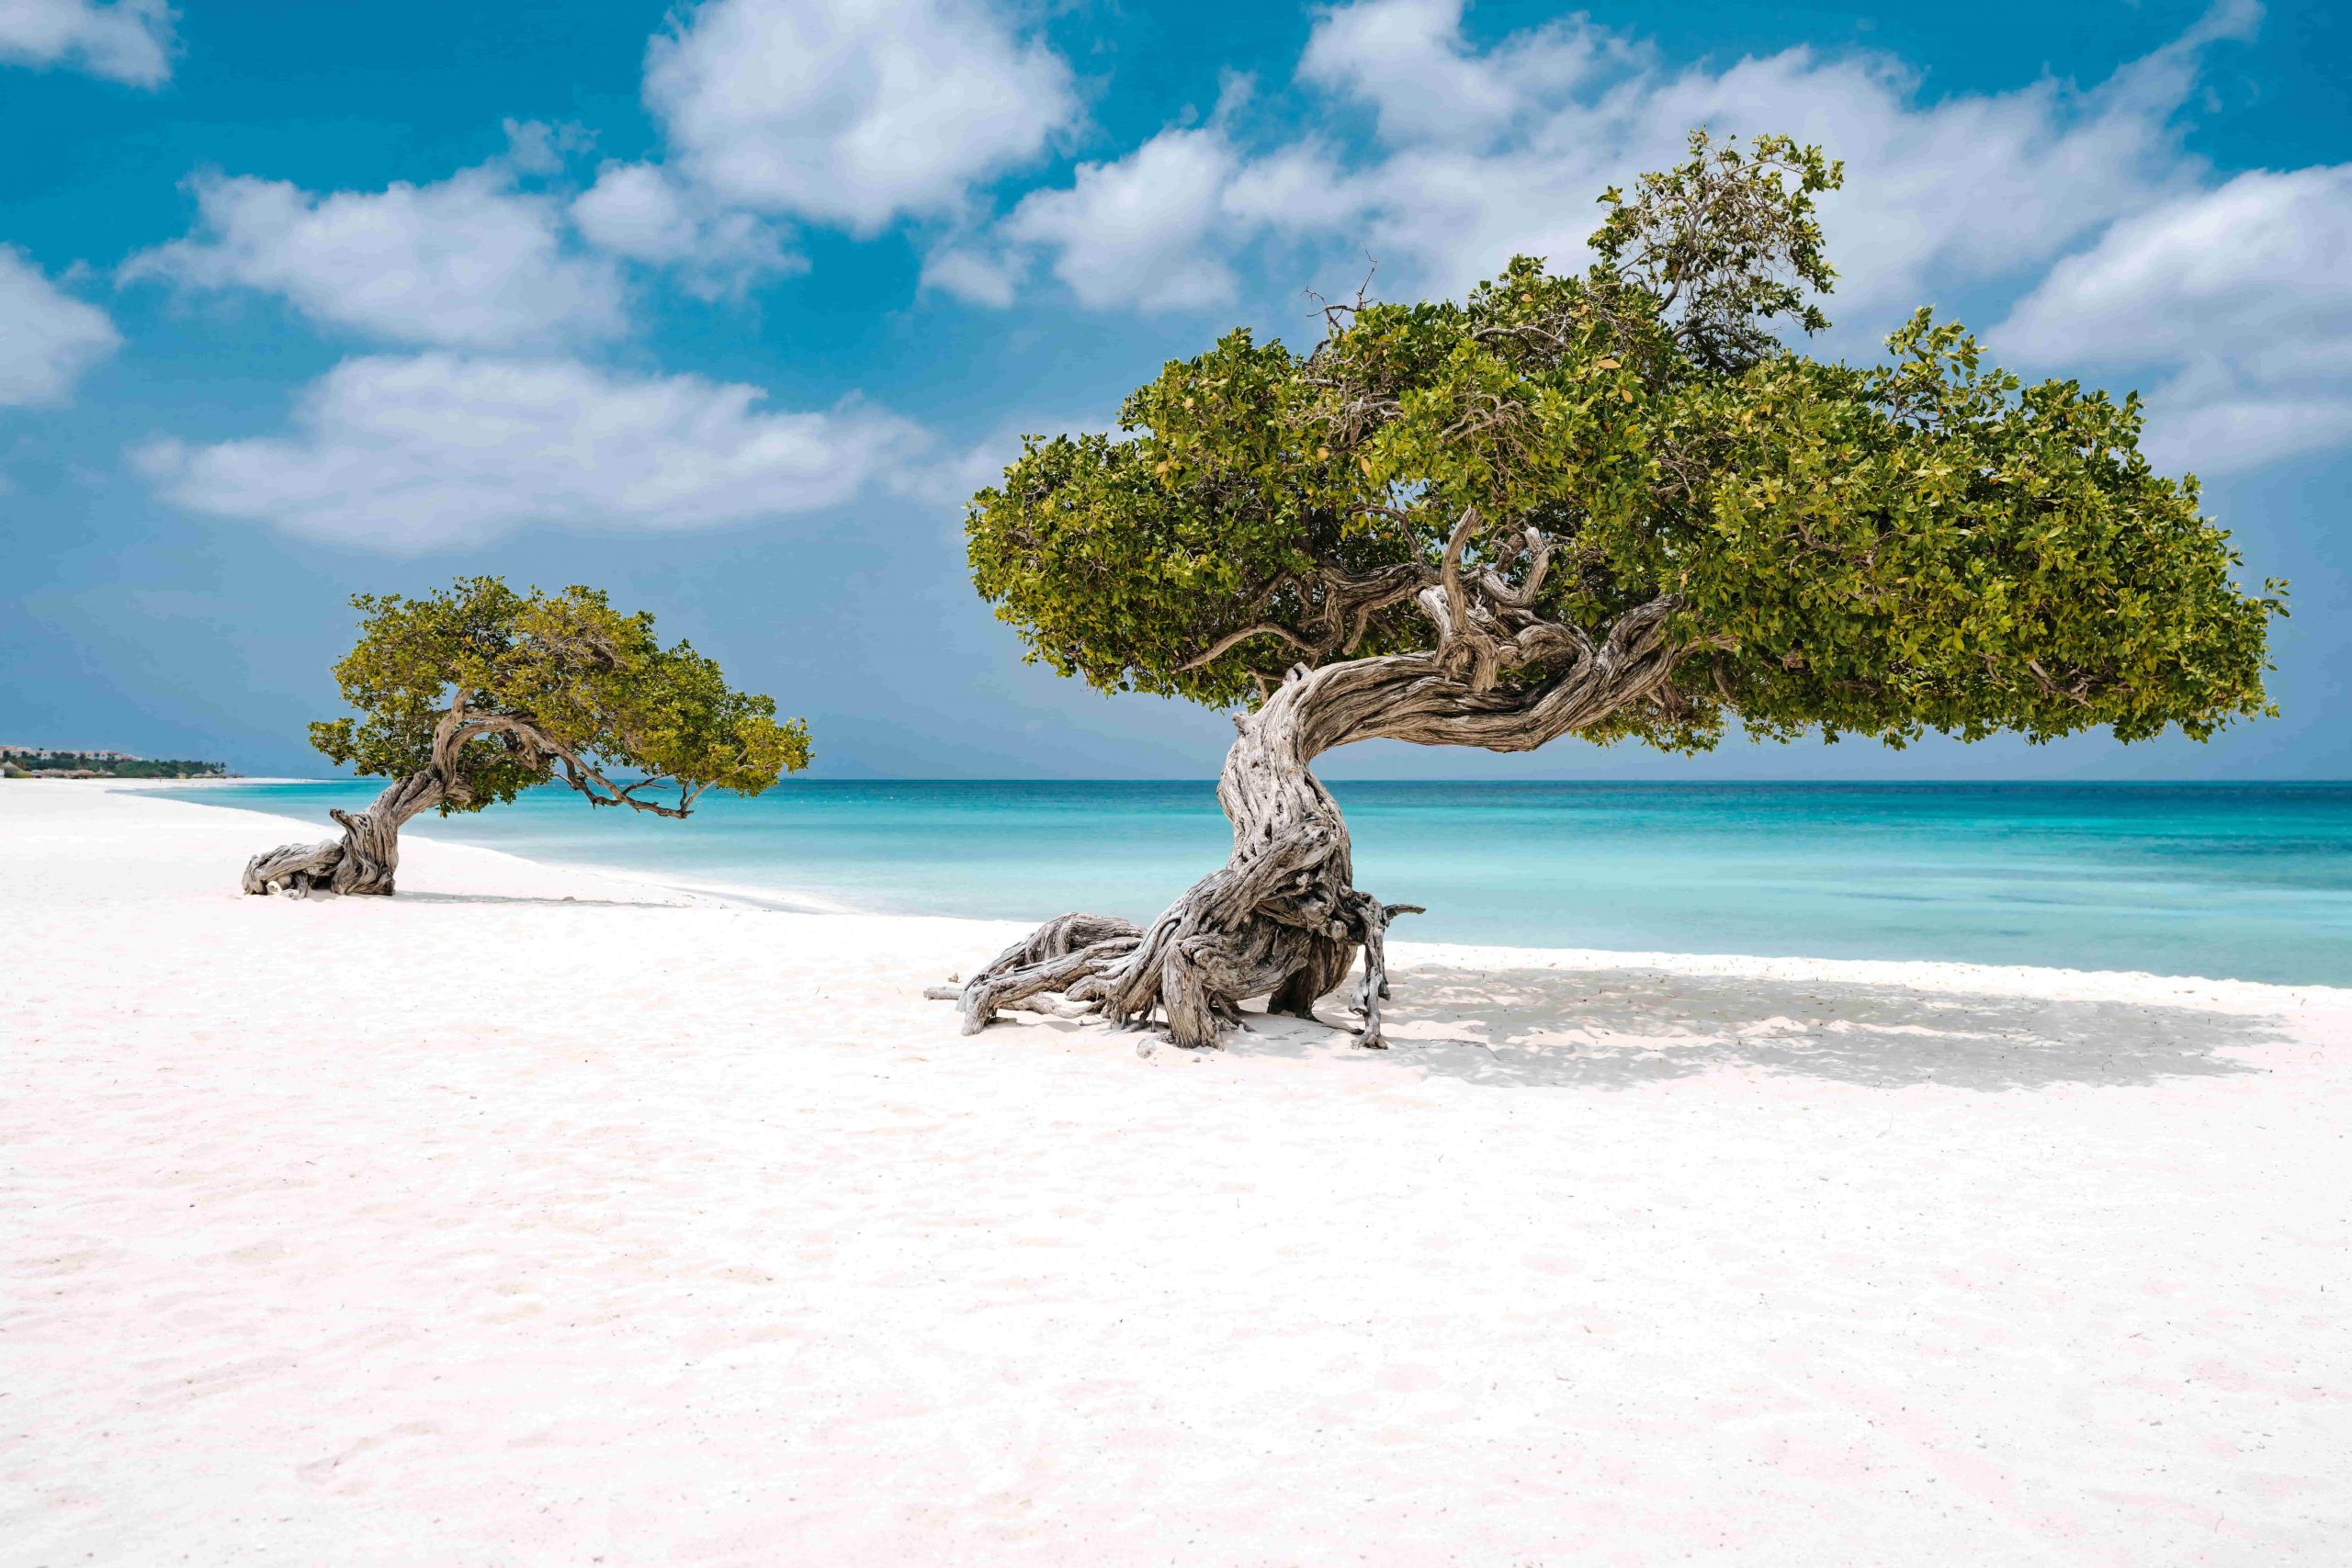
x=1611, y=505
x=470, y=695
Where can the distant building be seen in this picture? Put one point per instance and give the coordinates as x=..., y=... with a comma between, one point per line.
x=42, y=753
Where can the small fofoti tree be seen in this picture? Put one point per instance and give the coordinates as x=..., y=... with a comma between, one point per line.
x=1611, y=505
x=468, y=697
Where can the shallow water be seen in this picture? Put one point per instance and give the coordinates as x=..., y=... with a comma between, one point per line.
x=2243, y=881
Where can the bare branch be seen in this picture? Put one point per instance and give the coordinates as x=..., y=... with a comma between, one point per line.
x=1338, y=314
x=1537, y=545
x=1228, y=643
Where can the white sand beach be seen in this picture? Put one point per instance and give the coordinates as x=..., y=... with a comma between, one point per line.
x=532, y=1216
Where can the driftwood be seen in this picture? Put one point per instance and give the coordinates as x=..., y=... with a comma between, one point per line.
x=1283, y=920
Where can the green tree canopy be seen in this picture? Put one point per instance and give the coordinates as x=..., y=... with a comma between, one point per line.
x=1928, y=543
x=491, y=691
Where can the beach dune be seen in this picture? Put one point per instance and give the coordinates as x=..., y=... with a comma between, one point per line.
x=537, y=1217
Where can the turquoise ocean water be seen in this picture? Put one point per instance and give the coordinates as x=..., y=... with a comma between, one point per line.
x=2243, y=881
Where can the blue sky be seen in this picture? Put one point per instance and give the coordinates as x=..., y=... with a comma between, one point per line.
x=726, y=306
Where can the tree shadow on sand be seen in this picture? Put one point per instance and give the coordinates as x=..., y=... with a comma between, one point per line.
x=539, y=902
x=1622, y=1028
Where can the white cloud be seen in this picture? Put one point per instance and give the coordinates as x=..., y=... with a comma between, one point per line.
x=634, y=211
x=472, y=261
x=535, y=147
x=1134, y=232
x=853, y=111
x=1407, y=58
x=1481, y=153
x=975, y=275
x=47, y=338
x=639, y=211
x=2240, y=296
x=404, y=454
x=130, y=41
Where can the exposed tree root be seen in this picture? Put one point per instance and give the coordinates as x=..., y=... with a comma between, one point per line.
x=1195, y=966
x=363, y=861
x=1283, y=920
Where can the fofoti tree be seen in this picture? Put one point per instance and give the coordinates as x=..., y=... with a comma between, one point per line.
x=468, y=697
x=1612, y=506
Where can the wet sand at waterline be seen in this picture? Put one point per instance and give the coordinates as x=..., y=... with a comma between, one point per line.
x=536, y=1216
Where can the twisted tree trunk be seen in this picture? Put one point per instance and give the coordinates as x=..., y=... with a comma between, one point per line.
x=362, y=860
x=1281, y=919
x=365, y=858
x=1284, y=918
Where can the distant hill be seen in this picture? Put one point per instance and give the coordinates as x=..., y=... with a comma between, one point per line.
x=38, y=761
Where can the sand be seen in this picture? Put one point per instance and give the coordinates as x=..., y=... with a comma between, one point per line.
x=532, y=1217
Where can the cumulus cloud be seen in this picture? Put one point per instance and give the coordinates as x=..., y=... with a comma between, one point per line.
x=982, y=275
x=1134, y=232
x=641, y=211
x=852, y=112
x=130, y=41
x=1408, y=59
x=1479, y=153
x=50, y=337
x=2240, y=298
x=406, y=454
x=473, y=261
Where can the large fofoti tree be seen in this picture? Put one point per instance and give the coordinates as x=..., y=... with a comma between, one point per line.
x=1613, y=505
x=468, y=697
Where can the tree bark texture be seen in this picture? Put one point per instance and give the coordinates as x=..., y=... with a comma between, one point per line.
x=1282, y=918
x=364, y=859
